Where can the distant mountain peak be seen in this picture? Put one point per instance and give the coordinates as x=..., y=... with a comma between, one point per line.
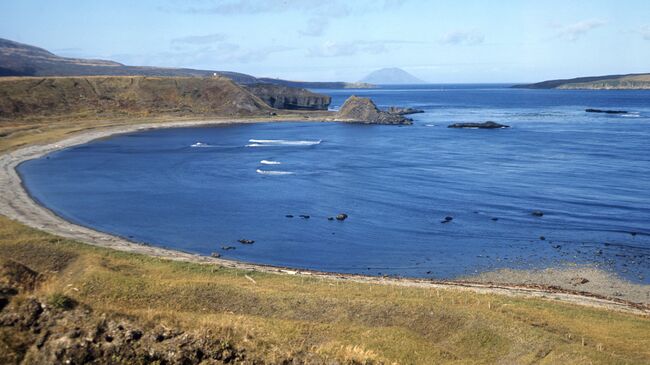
x=391, y=75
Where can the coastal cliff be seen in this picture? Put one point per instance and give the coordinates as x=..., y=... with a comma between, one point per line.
x=607, y=82
x=363, y=110
x=283, y=97
x=99, y=96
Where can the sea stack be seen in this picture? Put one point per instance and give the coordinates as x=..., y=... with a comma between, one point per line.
x=364, y=110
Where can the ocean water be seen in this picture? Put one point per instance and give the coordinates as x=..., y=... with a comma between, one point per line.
x=198, y=189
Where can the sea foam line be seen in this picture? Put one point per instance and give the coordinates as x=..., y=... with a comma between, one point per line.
x=267, y=162
x=265, y=172
x=201, y=145
x=279, y=142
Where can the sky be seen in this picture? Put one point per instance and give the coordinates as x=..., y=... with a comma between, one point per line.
x=460, y=41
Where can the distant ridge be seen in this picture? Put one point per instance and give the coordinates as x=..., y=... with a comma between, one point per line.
x=393, y=75
x=18, y=59
x=606, y=82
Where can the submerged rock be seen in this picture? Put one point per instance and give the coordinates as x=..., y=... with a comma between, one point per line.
x=484, y=125
x=403, y=111
x=341, y=217
x=606, y=111
x=447, y=219
x=537, y=213
x=246, y=242
x=304, y=216
x=363, y=110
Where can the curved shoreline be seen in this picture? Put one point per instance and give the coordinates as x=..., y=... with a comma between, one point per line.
x=17, y=204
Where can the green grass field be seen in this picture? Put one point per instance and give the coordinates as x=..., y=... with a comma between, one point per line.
x=273, y=315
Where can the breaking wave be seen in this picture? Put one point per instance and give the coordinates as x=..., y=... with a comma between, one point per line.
x=201, y=145
x=279, y=142
x=267, y=162
x=265, y=172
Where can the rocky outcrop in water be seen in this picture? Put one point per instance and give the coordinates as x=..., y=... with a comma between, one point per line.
x=484, y=125
x=283, y=97
x=606, y=111
x=363, y=110
x=403, y=111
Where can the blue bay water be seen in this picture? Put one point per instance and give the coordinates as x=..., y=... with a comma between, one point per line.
x=198, y=189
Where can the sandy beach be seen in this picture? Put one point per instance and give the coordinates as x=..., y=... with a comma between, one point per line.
x=602, y=289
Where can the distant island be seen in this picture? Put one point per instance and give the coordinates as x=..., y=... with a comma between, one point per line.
x=18, y=59
x=391, y=76
x=607, y=82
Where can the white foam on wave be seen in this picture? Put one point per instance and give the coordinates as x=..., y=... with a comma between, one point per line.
x=267, y=162
x=631, y=115
x=266, y=172
x=430, y=125
x=279, y=142
x=201, y=145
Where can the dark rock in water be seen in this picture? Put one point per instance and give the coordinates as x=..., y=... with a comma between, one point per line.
x=289, y=216
x=283, y=97
x=557, y=247
x=341, y=217
x=330, y=218
x=246, y=242
x=304, y=216
x=403, y=111
x=537, y=213
x=606, y=111
x=215, y=255
x=447, y=219
x=363, y=110
x=542, y=238
x=633, y=234
x=227, y=248
x=579, y=281
x=495, y=219
x=484, y=125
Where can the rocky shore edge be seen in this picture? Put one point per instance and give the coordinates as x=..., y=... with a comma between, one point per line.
x=17, y=204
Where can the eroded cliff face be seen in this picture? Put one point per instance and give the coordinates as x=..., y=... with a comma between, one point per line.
x=364, y=110
x=126, y=95
x=282, y=97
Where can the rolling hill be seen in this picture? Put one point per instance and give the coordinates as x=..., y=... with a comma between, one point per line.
x=607, y=82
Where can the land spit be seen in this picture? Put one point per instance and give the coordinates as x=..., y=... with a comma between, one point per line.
x=17, y=204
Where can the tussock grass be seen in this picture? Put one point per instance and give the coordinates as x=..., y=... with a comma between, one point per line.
x=274, y=315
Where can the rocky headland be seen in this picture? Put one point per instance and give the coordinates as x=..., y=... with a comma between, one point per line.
x=607, y=82
x=284, y=97
x=363, y=110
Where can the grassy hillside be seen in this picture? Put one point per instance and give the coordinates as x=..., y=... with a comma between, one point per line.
x=636, y=82
x=106, y=96
x=622, y=82
x=271, y=318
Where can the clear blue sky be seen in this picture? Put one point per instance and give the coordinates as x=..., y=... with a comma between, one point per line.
x=438, y=41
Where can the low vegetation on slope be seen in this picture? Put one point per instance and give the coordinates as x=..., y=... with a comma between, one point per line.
x=607, y=82
x=110, y=306
x=125, y=95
